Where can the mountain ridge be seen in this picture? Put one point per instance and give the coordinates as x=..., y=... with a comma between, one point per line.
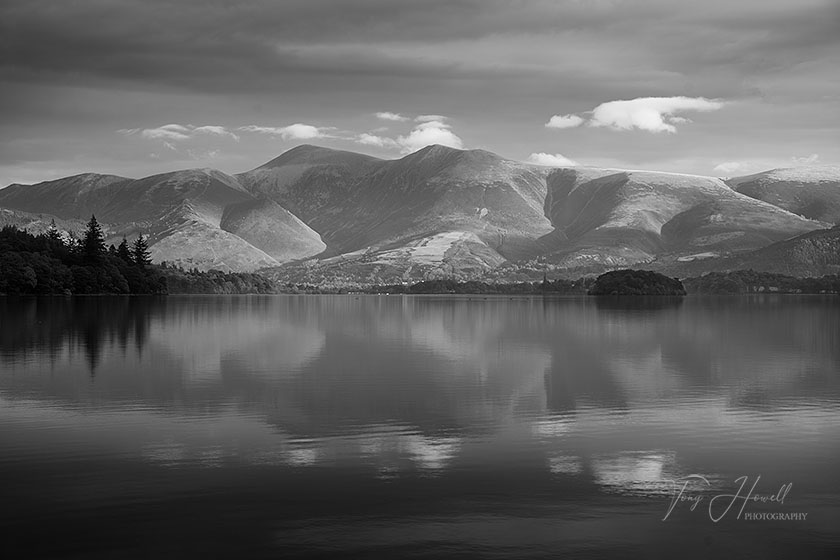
x=438, y=211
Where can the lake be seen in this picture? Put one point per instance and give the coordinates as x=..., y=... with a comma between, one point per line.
x=420, y=427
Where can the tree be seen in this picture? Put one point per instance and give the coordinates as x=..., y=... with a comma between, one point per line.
x=124, y=252
x=53, y=235
x=140, y=252
x=74, y=244
x=93, y=244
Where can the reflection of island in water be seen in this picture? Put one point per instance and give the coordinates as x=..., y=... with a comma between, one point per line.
x=318, y=364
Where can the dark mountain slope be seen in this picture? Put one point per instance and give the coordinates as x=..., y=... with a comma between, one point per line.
x=76, y=197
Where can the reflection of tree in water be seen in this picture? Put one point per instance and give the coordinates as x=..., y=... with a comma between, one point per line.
x=50, y=325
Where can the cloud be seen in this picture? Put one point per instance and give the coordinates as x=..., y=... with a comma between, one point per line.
x=564, y=121
x=216, y=130
x=178, y=132
x=807, y=160
x=748, y=167
x=730, y=167
x=430, y=129
x=552, y=160
x=297, y=131
x=427, y=133
x=374, y=140
x=203, y=154
x=167, y=132
x=652, y=114
x=67, y=77
x=388, y=116
x=430, y=118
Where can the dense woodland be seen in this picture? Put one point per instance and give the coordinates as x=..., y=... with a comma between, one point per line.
x=636, y=283
x=55, y=263
x=560, y=287
x=752, y=282
x=52, y=263
x=180, y=281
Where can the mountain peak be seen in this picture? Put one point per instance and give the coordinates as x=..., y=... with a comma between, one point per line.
x=438, y=149
x=317, y=155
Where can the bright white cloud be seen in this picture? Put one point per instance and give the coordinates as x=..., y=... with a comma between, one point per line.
x=552, y=160
x=388, y=116
x=427, y=133
x=652, y=114
x=178, y=132
x=374, y=140
x=300, y=131
x=216, y=130
x=167, y=132
x=564, y=121
x=297, y=131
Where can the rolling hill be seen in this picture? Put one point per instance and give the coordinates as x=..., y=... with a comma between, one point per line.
x=814, y=254
x=618, y=218
x=812, y=192
x=75, y=197
x=320, y=215
x=194, y=217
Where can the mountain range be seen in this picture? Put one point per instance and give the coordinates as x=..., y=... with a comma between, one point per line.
x=319, y=215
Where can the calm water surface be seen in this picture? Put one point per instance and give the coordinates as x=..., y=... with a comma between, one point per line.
x=419, y=427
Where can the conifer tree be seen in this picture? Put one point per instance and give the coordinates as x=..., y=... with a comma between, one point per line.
x=74, y=244
x=93, y=244
x=53, y=235
x=124, y=252
x=140, y=252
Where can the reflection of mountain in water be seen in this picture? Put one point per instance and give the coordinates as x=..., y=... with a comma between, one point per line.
x=324, y=365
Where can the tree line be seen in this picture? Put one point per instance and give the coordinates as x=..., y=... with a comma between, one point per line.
x=57, y=263
x=753, y=282
x=53, y=263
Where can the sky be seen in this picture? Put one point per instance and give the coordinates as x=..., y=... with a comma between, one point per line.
x=137, y=87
